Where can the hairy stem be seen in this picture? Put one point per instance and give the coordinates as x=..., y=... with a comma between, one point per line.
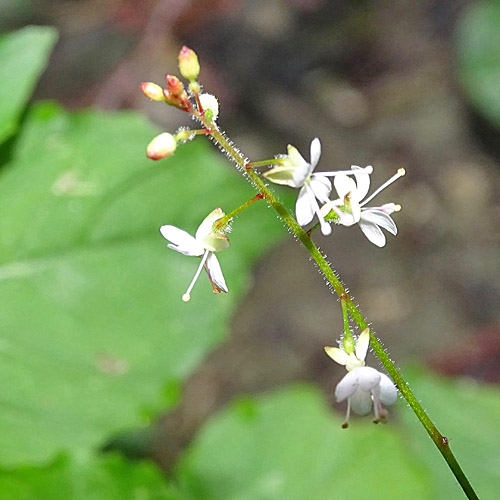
x=439, y=440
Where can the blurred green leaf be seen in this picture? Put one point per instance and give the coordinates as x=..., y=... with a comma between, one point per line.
x=466, y=412
x=24, y=55
x=478, y=42
x=93, y=331
x=108, y=478
x=290, y=446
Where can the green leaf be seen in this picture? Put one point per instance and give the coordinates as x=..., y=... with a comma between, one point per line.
x=108, y=478
x=24, y=55
x=94, y=332
x=288, y=445
x=466, y=412
x=478, y=54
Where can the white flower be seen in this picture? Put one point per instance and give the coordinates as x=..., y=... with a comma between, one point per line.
x=363, y=387
x=351, y=198
x=204, y=244
x=297, y=173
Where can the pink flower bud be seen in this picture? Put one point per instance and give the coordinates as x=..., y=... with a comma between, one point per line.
x=175, y=86
x=188, y=63
x=175, y=93
x=162, y=146
x=153, y=91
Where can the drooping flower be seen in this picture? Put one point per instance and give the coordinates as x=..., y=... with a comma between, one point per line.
x=363, y=387
x=351, y=201
x=203, y=244
x=296, y=172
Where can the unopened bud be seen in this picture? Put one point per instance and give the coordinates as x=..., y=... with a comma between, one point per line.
x=161, y=146
x=175, y=86
x=175, y=93
x=210, y=106
x=188, y=63
x=153, y=91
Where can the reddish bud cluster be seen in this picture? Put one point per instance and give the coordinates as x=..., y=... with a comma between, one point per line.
x=175, y=93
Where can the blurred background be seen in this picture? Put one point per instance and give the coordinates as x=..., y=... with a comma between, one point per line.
x=385, y=83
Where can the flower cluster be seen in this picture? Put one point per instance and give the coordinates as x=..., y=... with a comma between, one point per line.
x=364, y=388
x=349, y=206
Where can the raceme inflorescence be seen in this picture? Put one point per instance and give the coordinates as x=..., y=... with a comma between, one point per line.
x=362, y=385
x=366, y=389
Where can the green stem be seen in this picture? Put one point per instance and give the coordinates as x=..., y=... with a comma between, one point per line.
x=439, y=440
x=221, y=223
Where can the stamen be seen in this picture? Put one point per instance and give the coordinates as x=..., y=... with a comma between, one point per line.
x=396, y=176
x=326, y=229
x=378, y=410
x=187, y=296
x=365, y=170
x=345, y=425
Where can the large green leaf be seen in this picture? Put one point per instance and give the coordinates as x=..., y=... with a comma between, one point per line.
x=288, y=445
x=92, y=327
x=23, y=56
x=478, y=42
x=467, y=413
x=108, y=478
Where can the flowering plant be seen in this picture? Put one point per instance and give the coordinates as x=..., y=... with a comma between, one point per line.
x=364, y=388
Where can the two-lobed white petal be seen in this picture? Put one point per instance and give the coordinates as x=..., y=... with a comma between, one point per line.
x=362, y=182
x=386, y=391
x=346, y=387
x=181, y=241
x=361, y=402
x=318, y=187
x=304, y=208
x=371, y=219
x=215, y=272
x=380, y=218
x=315, y=152
x=321, y=187
x=303, y=169
x=344, y=185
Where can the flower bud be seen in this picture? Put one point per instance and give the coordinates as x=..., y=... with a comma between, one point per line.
x=161, y=146
x=175, y=94
x=175, y=86
x=210, y=106
x=153, y=91
x=188, y=63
